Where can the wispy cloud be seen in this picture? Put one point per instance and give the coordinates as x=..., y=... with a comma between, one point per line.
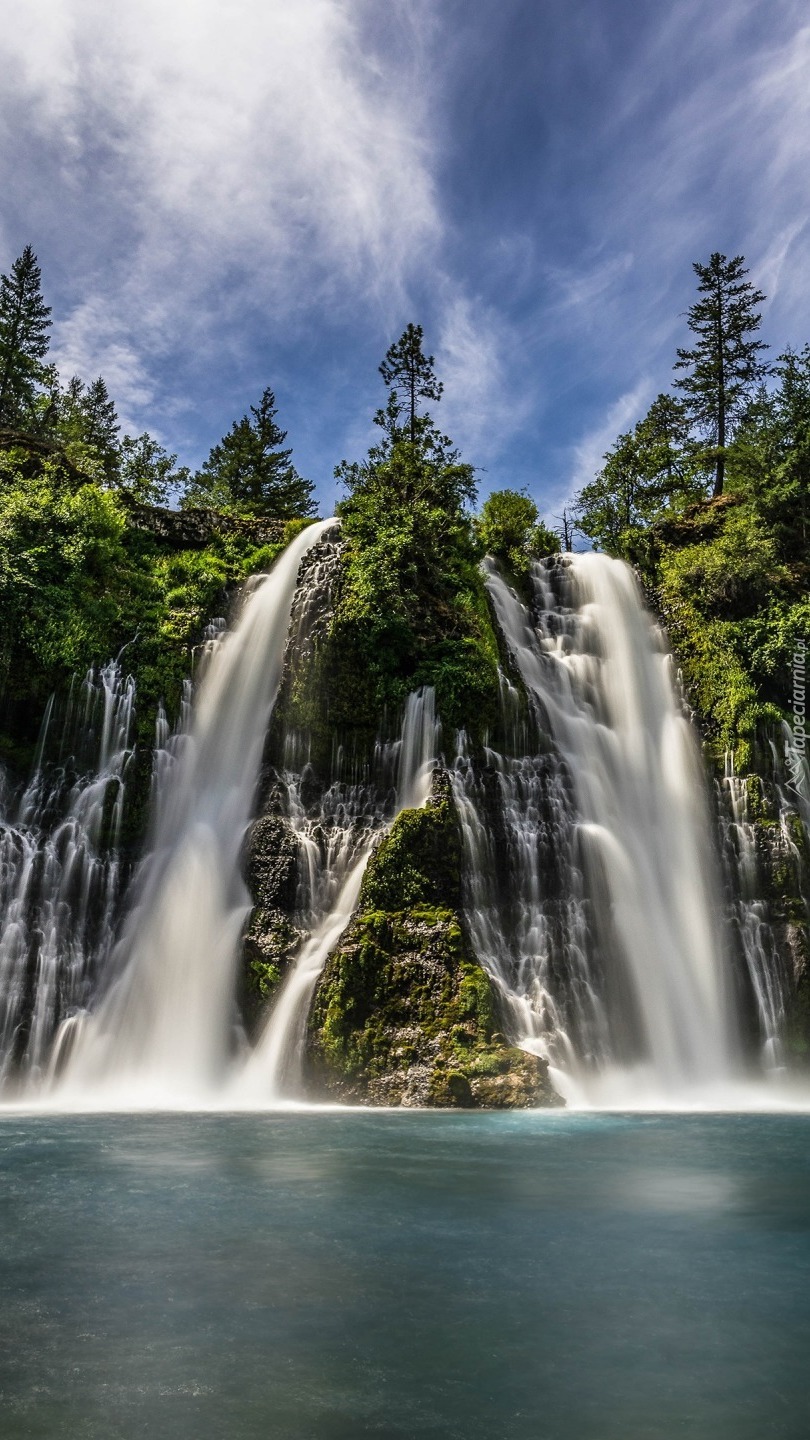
x=587, y=454
x=226, y=190
x=483, y=405
x=255, y=150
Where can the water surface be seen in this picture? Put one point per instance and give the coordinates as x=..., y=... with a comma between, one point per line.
x=325, y=1276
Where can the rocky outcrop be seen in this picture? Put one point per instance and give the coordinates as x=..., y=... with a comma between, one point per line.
x=403, y=1013
x=196, y=527
x=271, y=938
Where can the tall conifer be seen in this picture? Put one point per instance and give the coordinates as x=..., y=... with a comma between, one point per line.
x=24, y=325
x=724, y=365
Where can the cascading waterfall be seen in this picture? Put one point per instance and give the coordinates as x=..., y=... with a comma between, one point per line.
x=621, y=799
x=349, y=823
x=526, y=905
x=749, y=917
x=60, y=870
x=591, y=878
x=164, y=1029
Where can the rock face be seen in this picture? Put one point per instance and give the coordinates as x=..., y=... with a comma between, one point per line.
x=403, y=1013
x=271, y=939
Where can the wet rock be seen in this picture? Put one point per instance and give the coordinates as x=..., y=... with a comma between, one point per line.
x=403, y=1013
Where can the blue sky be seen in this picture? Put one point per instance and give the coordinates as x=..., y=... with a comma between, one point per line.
x=229, y=194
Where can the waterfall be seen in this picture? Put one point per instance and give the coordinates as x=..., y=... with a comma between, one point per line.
x=349, y=823
x=749, y=917
x=60, y=870
x=164, y=1029
x=611, y=959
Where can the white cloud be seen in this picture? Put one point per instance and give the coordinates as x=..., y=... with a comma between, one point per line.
x=254, y=147
x=482, y=406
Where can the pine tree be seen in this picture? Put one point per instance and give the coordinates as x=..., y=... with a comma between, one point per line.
x=410, y=376
x=101, y=418
x=24, y=326
x=101, y=426
x=87, y=424
x=250, y=469
x=724, y=365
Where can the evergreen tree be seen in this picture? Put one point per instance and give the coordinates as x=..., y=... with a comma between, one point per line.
x=405, y=515
x=24, y=325
x=101, y=427
x=771, y=455
x=410, y=377
x=87, y=424
x=249, y=469
x=724, y=366
x=415, y=462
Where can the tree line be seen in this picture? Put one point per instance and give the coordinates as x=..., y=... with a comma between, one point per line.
x=249, y=469
x=414, y=466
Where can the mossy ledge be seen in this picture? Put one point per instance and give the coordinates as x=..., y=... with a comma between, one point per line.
x=403, y=1013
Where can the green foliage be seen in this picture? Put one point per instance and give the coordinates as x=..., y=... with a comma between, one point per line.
x=412, y=608
x=510, y=528
x=250, y=471
x=148, y=472
x=419, y=861
x=79, y=582
x=723, y=367
x=733, y=614
x=651, y=469
x=24, y=326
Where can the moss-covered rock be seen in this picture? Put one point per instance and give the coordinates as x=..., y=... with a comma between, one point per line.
x=403, y=1013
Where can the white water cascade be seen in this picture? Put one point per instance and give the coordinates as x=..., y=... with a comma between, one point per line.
x=163, y=1031
x=642, y=1003
x=60, y=869
x=275, y=1070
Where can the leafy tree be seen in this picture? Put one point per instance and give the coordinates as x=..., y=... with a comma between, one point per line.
x=724, y=366
x=510, y=527
x=249, y=470
x=148, y=472
x=24, y=325
x=410, y=377
x=646, y=470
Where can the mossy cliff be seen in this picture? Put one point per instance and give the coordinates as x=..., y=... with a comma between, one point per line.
x=403, y=1013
